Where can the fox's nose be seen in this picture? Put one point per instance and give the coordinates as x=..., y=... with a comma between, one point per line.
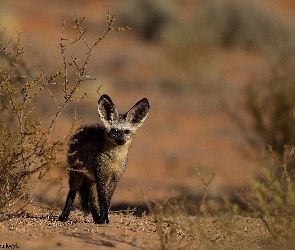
x=120, y=141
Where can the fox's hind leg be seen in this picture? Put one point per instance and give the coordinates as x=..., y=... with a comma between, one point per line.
x=75, y=182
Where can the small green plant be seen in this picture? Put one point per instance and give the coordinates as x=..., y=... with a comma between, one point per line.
x=268, y=221
x=28, y=150
x=167, y=216
x=176, y=227
x=271, y=197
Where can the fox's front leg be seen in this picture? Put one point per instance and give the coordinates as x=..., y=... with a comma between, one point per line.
x=105, y=190
x=93, y=204
x=103, y=207
x=75, y=182
x=101, y=186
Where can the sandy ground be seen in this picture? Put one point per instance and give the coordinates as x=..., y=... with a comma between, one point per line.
x=126, y=231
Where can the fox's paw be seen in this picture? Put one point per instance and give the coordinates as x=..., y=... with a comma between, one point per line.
x=63, y=217
x=101, y=220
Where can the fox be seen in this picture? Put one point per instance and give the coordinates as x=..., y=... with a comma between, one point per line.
x=97, y=157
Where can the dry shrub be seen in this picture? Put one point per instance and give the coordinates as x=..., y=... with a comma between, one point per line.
x=266, y=120
x=28, y=150
x=265, y=116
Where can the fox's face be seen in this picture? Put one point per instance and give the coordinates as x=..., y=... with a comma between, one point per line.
x=120, y=128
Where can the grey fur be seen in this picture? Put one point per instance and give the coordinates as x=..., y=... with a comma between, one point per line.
x=97, y=157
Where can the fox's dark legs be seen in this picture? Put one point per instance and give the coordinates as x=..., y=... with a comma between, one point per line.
x=93, y=207
x=105, y=203
x=102, y=199
x=67, y=209
x=86, y=187
x=105, y=194
x=75, y=182
x=103, y=207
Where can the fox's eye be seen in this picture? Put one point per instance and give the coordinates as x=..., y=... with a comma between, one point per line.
x=127, y=132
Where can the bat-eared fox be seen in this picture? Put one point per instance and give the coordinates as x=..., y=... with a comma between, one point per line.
x=97, y=157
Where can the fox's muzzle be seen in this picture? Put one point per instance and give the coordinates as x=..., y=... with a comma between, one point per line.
x=120, y=142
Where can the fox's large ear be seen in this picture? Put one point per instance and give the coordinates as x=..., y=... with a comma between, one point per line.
x=137, y=114
x=107, y=110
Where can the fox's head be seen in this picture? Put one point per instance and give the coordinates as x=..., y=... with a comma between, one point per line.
x=120, y=128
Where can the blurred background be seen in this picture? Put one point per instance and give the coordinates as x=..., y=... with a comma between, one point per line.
x=192, y=59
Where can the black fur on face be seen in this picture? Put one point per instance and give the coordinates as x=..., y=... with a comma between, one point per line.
x=119, y=136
